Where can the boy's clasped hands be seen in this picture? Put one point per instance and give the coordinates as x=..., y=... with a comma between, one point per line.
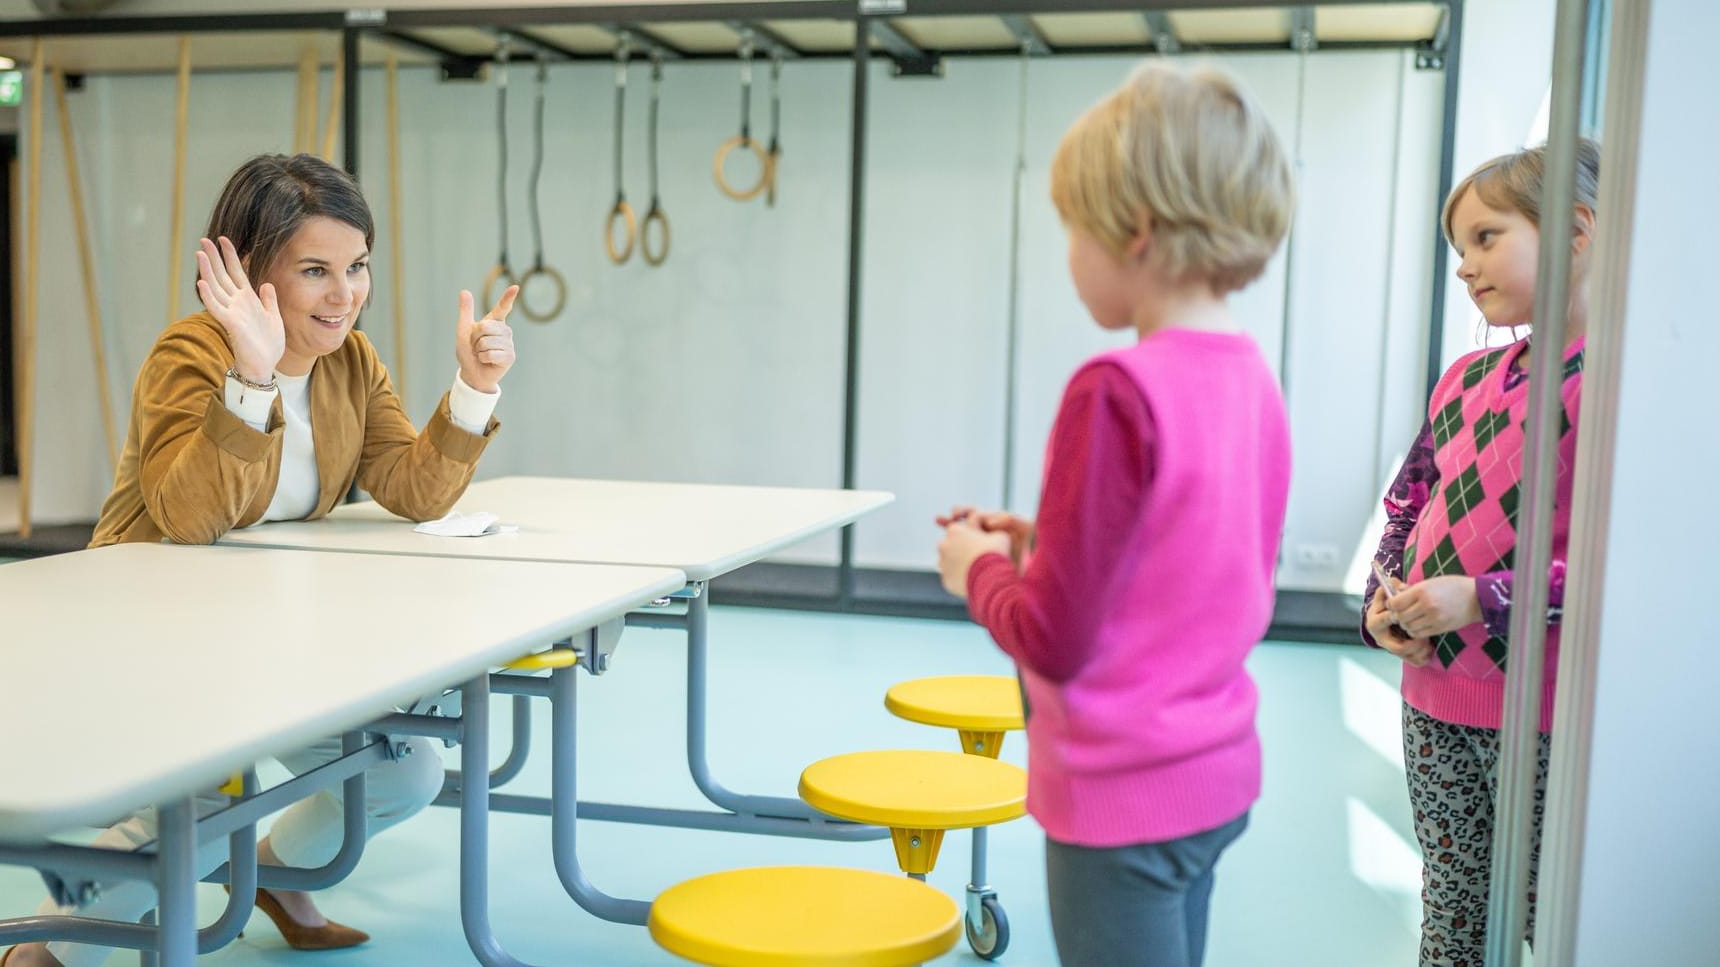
x=1405, y=618
x=970, y=534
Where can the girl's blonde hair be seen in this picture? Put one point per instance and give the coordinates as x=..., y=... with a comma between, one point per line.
x=1188, y=153
x=1512, y=182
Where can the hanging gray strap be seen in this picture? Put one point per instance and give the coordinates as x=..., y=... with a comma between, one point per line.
x=1013, y=336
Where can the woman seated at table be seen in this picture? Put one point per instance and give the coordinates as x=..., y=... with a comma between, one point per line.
x=269, y=406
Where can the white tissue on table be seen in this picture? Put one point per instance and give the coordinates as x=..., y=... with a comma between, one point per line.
x=456, y=524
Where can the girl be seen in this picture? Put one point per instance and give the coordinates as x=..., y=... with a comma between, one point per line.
x=1450, y=534
x=1150, y=576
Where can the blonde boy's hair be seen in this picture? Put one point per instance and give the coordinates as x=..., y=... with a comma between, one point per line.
x=1189, y=153
x=1512, y=182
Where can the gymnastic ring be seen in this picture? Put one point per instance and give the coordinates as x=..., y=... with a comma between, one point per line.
x=741, y=141
x=501, y=271
x=560, y=293
x=654, y=217
x=623, y=211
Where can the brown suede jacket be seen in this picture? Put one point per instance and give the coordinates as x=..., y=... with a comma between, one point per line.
x=192, y=470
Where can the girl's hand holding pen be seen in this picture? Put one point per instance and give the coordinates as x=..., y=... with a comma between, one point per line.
x=1383, y=624
x=1437, y=605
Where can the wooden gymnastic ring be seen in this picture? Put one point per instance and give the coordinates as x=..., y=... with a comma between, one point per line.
x=654, y=217
x=500, y=271
x=623, y=211
x=741, y=141
x=560, y=293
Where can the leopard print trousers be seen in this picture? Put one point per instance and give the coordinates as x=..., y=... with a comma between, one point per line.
x=1453, y=775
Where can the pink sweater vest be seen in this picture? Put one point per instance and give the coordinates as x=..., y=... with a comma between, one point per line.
x=1153, y=738
x=1469, y=523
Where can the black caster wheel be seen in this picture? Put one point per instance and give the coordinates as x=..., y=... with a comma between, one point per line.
x=990, y=938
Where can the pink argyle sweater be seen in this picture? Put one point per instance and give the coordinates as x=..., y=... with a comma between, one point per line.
x=1468, y=524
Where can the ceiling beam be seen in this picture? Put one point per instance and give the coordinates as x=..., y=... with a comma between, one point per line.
x=1027, y=34
x=773, y=43
x=642, y=41
x=455, y=64
x=1164, y=36
x=537, y=46
x=1302, y=37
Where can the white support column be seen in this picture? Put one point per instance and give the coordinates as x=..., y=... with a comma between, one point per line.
x=1631, y=841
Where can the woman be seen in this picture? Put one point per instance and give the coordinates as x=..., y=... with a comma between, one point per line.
x=229, y=429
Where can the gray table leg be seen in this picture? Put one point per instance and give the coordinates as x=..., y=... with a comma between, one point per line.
x=148, y=958
x=475, y=829
x=177, y=883
x=564, y=798
x=698, y=654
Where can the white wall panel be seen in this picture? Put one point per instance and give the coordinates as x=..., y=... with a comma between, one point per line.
x=1415, y=234
x=934, y=332
x=722, y=365
x=1507, y=59
x=1340, y=280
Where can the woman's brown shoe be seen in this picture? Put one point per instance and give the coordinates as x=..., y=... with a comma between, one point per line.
x=331, y=936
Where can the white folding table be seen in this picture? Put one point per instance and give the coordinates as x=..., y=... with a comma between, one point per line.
x=702, y=530
x=142, y=674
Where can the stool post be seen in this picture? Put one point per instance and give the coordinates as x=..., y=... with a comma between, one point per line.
x=984, y=742
x=917, y=849
x=979, y=873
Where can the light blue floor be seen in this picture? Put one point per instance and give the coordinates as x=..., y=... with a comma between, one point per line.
x=1327, y=874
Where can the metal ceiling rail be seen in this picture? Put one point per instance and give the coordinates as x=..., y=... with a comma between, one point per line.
x=533, y=45
x=1027, y=34
x=631, y=15
x=909, y=58
x=1164, y=35
x=772, y=42
x=188, y=24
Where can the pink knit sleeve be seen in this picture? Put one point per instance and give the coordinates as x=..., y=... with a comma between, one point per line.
x=1048, y=617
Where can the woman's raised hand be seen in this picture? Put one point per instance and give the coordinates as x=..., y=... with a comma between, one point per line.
x=484, y=348
x=251, y=317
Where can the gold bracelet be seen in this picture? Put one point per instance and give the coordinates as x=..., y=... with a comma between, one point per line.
x=234, y=374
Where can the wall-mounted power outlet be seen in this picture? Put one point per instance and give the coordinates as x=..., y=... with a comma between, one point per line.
x=1315, y=556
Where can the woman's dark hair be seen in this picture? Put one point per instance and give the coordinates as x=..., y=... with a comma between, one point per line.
x=271, y=195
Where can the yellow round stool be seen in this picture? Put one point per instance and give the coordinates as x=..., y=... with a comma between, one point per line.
x=919, y=794
x=980, y=707
x=776, y=916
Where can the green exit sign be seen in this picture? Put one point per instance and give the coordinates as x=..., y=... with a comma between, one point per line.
x=11, y=88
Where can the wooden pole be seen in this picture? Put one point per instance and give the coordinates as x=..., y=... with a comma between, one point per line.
x=335, y=97
x=92, y=305
x=305, y=121
x=396, y=237
x=176, y=213
x=26, y=347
